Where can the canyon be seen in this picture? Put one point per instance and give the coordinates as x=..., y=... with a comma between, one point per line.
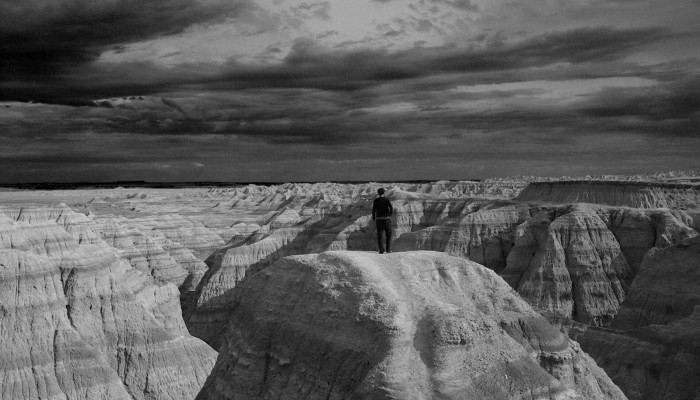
x=587, y=287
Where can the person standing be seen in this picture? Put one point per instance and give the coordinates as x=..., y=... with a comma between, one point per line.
x=381, y=215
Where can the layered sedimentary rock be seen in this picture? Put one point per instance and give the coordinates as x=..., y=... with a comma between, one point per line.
x=573, y=261
x=191, y=234
x=571, y=265
x=626, y=194
x=405, y=325
x=151, y=252
x=77, y=322
x=481, y=232
x=313, y=227
x=653, y=350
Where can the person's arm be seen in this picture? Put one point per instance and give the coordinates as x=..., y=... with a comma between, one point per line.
x=391, y=209
x=374, y=209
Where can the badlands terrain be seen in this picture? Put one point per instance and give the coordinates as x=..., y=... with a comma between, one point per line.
x=518, y=288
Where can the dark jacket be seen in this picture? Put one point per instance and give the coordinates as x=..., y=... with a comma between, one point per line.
x=381, y=209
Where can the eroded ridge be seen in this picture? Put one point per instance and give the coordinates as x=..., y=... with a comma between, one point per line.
x=77, y=322
x=406, y=325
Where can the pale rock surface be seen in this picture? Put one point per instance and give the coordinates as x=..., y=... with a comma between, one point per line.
x=574, y=267
x=76, y=322
x=315, y=226
x=578, y=272
x=569, y=260
x=191, y=234
x=154, y=254
x=410, y=325
x=484, y=235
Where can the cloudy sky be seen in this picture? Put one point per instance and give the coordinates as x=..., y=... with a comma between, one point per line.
x=307, y=90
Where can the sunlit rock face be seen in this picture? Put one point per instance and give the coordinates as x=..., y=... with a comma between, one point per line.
x=77, y=322
x=404, y=325
x=573, y=267
x=574, y=261
x=152, y=253
x=301, y=219
x=653, y=351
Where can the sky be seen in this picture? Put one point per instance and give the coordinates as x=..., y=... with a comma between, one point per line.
x=305, y=90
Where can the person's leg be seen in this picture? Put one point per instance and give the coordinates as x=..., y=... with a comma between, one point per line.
x=387, y=228
x=379, y=235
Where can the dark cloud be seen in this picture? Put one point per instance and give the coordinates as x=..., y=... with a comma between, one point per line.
x=41, y=38
x=309, y=65
x=312, y=66
x=672, y=108
x=677, y=100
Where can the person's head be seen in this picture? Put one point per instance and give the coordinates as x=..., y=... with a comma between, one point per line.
x=381, y=191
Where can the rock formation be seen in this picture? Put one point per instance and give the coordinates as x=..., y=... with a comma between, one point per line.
x=77, y=322
x=653, y=349
x=616, y=193
x=579, y=261
x=405, y=325
x=154, y=254
x=313, y=227
x=574, y=261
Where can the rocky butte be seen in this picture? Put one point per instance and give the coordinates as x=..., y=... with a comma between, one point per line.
x=505, y=289
x=408, y=325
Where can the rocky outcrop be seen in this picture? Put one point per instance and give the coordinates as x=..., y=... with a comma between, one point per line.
x=653, y=350
x=481, y=232
x=191, y=234
x=154, y=254
x=405, y=325
x=77, y=322
x=573, y=261
x=615, y=193
x=572, y=266
x=313, y=227
x=570, y=260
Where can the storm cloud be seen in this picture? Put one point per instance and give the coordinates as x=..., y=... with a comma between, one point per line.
x=40, y=36
x=220, y=90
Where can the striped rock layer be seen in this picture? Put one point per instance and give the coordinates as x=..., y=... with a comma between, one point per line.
x=77, y=322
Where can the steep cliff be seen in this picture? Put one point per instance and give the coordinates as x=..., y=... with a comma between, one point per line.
x=405, y=325
x=653, y=350
x=77, y=322
x=574, y=261
x=312, y=226
x=154, y=254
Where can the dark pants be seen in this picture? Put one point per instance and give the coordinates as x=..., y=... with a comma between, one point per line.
x=384, y=225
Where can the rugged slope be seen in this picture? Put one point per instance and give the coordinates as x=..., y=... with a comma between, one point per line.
x=574, y=261
x=152, y=253
x=300, y=226
x=405, y=325
x=76, y=322
x=653, y=350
